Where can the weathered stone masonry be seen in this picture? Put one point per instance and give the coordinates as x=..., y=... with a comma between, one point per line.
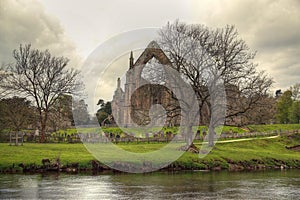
x=132, y=106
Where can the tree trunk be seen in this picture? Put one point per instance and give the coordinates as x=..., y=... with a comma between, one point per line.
x=43, y=131
x=43, y=134
x=211, y=135
x=189, y=134
x=17, y=138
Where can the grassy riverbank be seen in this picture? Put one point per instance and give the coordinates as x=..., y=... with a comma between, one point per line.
x=250, y=154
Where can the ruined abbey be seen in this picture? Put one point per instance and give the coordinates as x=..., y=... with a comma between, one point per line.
x=143, y=89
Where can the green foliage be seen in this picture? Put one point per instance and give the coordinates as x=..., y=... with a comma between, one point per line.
x=106, y=107
x=284, y=104
x=104, y=112
x=16, y=113
x=80, y=112
x=288, y=105
x=294, y=112
x=102, y=116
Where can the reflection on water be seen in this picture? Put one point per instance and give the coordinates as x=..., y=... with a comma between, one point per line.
x=191, y=185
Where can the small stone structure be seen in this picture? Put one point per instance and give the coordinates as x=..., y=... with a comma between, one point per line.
x=17, y=138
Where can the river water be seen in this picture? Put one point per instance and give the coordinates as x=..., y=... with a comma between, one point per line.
x=160, y=185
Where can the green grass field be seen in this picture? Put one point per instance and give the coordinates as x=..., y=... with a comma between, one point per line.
x=116, y=130
x=272, y=127
x=34, y=153
x=249, y=128
x=267, y=151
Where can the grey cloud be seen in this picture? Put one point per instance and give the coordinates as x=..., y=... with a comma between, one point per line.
x=272, y=27
x=27, y=22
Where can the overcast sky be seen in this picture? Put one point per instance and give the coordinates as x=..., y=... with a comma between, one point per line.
x=76, y=28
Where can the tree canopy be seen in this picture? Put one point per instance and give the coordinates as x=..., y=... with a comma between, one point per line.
x=207, y=57
x=288, y=105
x=104, y=113
x=16, y=113
x=41, y=77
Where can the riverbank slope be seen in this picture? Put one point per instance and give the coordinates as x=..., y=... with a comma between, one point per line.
x=278, y=152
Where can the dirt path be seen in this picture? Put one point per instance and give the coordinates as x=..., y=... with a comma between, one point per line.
x=243, y=139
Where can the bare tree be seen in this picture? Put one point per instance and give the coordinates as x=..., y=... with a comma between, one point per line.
x=44, y=78
x=1, y=78
x=3, y=92
x=295, y=89
x=61, y=116
x=209, y=58
x=262, y=113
